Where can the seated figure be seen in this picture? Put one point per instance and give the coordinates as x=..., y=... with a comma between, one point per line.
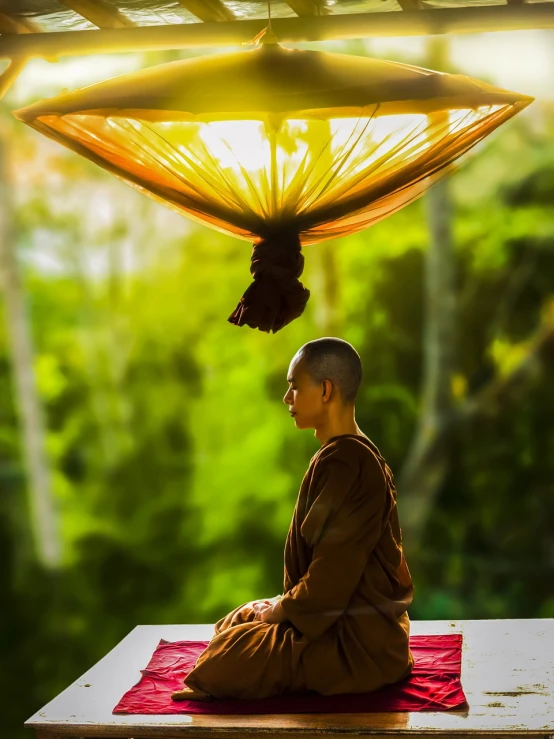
x=341, y=625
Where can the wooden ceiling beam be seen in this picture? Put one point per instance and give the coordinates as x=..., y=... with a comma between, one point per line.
x=10, y=74
x=99, y=12
x=307, y=7
x=10, y=24
x=208, y=10
x=314, y=28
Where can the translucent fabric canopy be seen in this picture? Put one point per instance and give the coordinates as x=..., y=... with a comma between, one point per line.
x=281, y=147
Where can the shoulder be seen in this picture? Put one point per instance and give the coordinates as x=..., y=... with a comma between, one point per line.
x=349, y=451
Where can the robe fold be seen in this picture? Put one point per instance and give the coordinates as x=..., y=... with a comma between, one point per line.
x=347, y=588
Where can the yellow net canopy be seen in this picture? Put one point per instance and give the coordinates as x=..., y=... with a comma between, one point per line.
x=281, y=147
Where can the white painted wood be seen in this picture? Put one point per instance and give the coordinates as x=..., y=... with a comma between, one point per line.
x=507, y=676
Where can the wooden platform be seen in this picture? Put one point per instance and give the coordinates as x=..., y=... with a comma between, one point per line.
x=507, y=676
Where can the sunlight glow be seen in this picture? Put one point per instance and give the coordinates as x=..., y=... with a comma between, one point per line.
x=275, y=171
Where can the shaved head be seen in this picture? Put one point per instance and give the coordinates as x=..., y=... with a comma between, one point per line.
x=335, y=360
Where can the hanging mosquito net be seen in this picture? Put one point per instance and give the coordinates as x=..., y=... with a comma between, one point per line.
x=280, y=147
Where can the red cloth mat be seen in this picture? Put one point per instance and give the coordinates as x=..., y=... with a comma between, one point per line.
x=434, y=685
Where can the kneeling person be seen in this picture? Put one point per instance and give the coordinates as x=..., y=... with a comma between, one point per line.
x=342, y=624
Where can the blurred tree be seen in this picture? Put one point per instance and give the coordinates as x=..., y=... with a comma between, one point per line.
x=41, y=503
x=428, y=458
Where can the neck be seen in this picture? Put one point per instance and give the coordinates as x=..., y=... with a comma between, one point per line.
x=337, y=427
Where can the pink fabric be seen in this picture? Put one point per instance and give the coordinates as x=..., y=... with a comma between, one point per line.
x=434, y=685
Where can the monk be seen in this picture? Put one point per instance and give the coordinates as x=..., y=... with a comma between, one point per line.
x=341, y=625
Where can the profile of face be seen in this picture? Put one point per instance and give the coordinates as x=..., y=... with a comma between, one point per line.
x=307, y=401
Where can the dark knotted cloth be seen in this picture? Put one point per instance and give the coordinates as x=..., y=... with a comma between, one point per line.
x=276, y=297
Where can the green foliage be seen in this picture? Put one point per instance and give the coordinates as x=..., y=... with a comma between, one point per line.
x=175, y=466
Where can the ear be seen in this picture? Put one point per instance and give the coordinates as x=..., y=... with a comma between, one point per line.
x=326, y=389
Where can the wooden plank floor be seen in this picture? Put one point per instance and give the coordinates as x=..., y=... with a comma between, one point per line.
x=507, y=676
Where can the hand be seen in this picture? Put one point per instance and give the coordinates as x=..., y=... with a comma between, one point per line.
x=263, y=603
x=240, y=615
x=259, y=607
x=273, y=614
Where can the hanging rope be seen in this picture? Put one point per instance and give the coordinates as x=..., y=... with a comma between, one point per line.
x=266, y=35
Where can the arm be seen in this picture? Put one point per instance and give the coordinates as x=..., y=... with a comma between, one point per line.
x=342, y=526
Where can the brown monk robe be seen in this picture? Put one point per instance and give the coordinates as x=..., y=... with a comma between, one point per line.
x=346, y=591
x=342, y=625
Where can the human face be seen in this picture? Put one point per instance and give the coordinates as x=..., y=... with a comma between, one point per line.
x=303, y=396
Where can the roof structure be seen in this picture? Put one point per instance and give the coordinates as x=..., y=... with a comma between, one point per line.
x=52, y=28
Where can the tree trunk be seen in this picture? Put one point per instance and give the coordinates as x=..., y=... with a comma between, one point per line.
x=32, y=436
x=428, y=458
x=327, y=288
x=328, y=296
